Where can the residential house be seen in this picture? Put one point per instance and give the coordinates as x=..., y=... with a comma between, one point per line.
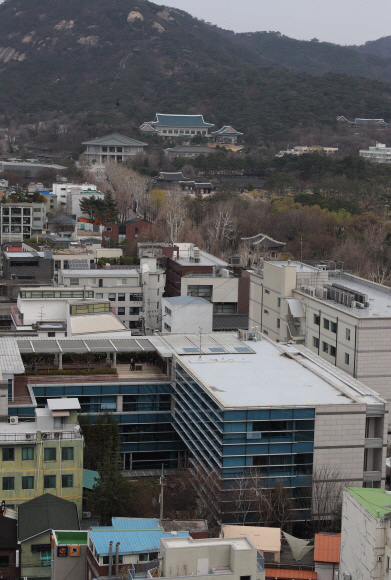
x=9, y=548
x=133, y=229
x=343, y=318
x=63, y=226
x=69, y=196
x=326, y=555
x=265, y=245
x=170, y=126
x=365, y=536
x=379, y=123
x=43, y=456
x=21, y=220
x=36, y=520
x=114, y=146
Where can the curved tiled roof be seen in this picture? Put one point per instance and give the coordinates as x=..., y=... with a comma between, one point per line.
x=227, y=130
x=180, y=121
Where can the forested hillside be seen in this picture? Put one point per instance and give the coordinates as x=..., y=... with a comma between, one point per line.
x=117, y=62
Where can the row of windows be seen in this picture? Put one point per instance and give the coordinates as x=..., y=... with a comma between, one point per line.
x=329, y=348
x=49, y=481
x=330, y=325
x=112, y=296
x=56, y=294
x=186, y=131
x=86, y=308
x=92, y=281
x=49, y=453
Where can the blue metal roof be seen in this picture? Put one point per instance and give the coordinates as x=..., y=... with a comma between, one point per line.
x=131, y=542
x=136, y=523
x=181, y=121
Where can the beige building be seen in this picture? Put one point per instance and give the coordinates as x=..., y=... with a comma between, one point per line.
x=266, y=540
x=343, y=318
x=237, y=557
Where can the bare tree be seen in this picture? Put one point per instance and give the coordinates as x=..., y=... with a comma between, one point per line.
x=175, y=214
x=208, y=494
x=222, y=226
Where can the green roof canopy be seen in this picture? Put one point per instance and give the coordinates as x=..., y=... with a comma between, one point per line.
x=376, y=501
x=69, y=538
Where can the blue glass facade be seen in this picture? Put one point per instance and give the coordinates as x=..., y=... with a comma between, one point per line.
x=142, y=410
x=278, y=442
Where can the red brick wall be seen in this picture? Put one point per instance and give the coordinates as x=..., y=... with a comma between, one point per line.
x=244, y=293
x=175, y=271
x=143, y=227
x=113, y=234
x=12, y=571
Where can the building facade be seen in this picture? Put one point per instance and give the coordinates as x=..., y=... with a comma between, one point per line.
x=21, y=220
x=134, y=229
x=113, y=147
x=181, y=314
x=170, y=126
x=343, y=318
x=28, y=265
x=378, y=154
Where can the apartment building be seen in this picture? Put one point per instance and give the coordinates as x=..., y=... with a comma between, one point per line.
x=378, y=154
x=43, y=456
x=135, y=295
x=69, y=196
x=21, y=220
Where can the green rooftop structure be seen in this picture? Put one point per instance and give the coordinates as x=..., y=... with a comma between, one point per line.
x=376, y=501
x=70, y=538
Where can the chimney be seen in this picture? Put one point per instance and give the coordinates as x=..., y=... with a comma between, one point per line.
x=117, y=559
x=110, y=559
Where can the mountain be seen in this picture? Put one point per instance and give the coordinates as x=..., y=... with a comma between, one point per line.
x=380, y=47
x=313, y=56
x=117, y=62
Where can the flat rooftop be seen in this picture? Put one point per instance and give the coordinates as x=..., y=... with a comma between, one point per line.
x=11, y=255
x=205, y=259
x=299, y=266
x=240, y=543
x=276, y=376
x=100, y=273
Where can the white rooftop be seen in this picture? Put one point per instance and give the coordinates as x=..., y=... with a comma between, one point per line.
x=96, y=323
x=300, y=267
x=276, y=376
x=205, y=259
x=63, y=404
x=239, y=543
x=24, y=254
x=10, y=359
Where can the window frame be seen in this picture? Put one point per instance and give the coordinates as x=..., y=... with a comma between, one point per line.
x=46, y=453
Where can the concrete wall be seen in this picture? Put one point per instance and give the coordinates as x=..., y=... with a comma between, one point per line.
x=31, y=562
x=224, y=289
x=70, y=568
x=187, y=318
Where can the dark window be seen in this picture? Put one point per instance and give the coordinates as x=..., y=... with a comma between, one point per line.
x=8, y=483
x=333, y=350
x=334, y=327
x=136, y=232
x=67, y=454
x=326, y=323
x=121, y=311
x=348, y=334
x=315, y=341
x=112, y=149
x=24, y=263
x=316, y=319
x=27, y=453
x=8, y=453
x=346, y=358
x=28, y=482
x=67, y=480
x=119, y=149
x=121, y=297
x=112, y=297
x=133, y=310
x=4, y=561
x=49, y=481
x=325, y=347
x=104, y=149
x=135, y=297
x=49, y=454
x=278, y=323
x=200, y=291
x=225, y=307
x=51, y=334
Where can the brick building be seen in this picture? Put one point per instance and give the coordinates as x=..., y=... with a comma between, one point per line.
x=133, y=229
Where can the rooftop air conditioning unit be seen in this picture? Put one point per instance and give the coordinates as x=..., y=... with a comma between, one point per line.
x=86, y=515
x=45, y=435
x=224, y=273
x=57, y=435
x=28, y=435
x=14, y=420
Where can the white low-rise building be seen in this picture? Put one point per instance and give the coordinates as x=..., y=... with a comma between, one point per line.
x=182, y=314
x=113, y=147
x=69, y=196
x=378, y=154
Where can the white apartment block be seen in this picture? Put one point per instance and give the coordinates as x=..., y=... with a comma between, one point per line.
x=378, y=154
x=20, y=221
x=343, y=318
x=185, y=314
x=70, y=194
x=135, y=295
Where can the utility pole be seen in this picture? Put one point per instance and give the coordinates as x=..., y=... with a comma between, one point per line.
x=161, y=493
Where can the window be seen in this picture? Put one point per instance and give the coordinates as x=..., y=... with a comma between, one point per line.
x=112, y=297
x=49, y=454
x=74, y=281
x=200, y=291
x=67, y=453
x=106, y=559
x=4, y=561
x=122, y=282
x=316, y=319
x=279, y=302
x=136, y=232
x=346, y=358
x=315, y=341
x=121, y=310
x=8, y=483
x=167, y=311
x=334, y=327
x=267, y=291
x=46, y=559
x=91, y=281
x=51, y=334
x=36, y=219
x=265, y=311
x=348, y=334
x=278, y=323
x=167, y=327
x=135, y=297
x=28, y=482
x=333, y=350
x=112, y=149
x=8, y=454
x=134, y=310
x=326, y=323
x=225, y=307
x=99, y=295
x=49, y=481
x=104, y=149
x=119, y=149
x=325, y=347
x=121, y=297
x=27, y=453
x=157, y=292
x=67, y=480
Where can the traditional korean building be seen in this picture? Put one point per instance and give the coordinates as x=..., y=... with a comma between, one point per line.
x=178, y=126
x=226, y=134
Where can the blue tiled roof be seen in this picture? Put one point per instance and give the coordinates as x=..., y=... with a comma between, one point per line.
x=136, y=523
x=131, y=541
x=226, y=130
x=181, y=121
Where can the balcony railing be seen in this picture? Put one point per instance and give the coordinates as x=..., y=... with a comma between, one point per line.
x=45, y=435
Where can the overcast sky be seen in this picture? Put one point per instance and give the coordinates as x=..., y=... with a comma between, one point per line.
x=338, y=21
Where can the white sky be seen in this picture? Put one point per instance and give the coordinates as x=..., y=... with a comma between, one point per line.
x=338, y=21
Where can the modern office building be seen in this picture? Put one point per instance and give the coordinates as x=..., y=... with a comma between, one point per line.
x=343, y=318
x=114, y=146
x=43, y=456
x=234, y=405
x=28, y=266
x=21, y=220
x=135, y=295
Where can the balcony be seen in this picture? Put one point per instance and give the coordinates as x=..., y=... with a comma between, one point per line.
x=46, y=436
